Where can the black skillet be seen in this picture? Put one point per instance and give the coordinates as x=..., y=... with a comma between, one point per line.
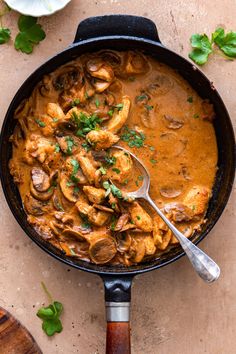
x=123, y=32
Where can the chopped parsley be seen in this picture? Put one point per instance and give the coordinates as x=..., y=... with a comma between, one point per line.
x=111, y=188
x=57, y=147
x=75, y=102
x=153, y=161
x=113, y=222
x=119, y=106
x=70, y=143
x=110, y=160
x=86, y=147
x=103, y=170
x=148, y=107
x=126, y=181
x=132, y=137
x=110, y=113
x=85, y=123
x=190, y=99
x=138, y=217
x=196, y=115
x=142, y=97
x=116, y=170
x=132, y=78
x=97, y=102
x=55, y=119
x=40, y=123
x=75, y=165
x=140, y=178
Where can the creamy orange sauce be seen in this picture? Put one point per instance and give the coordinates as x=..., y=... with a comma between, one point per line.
x=176, y=142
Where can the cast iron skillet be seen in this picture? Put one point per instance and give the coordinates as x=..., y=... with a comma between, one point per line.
x=123, y=32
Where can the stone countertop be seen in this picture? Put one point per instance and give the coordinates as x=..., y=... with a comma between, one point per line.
x=173, y=311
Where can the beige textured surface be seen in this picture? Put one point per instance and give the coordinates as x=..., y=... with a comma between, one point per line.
x=172, y=310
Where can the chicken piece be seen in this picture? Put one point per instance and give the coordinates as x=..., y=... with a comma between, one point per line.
x=95, y=195
x=140, y=217
x=150, y=247
x=73, y=170
x=83, y=207
x=122, y=169
x=37, y=147
x=197, y=199
x=87, y=165
x=99, y=217
x=101, y=139
x=55, y=111
x=100, y=70
x=120, y=116
x=135, y=63
x=67, y=144
x=161, y=234
x=33, y=206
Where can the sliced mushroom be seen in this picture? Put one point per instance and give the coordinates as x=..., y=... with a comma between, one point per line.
x=100, y=86
x=173, y=123
x=57, y=202
x=119, y=118
x=68, y=189
x=41, y=195
x=102, y=250
x=179, y=212
x=40, y=179
x=101, y=139
x=33, y=206
x=162, y=84
x=100, y=70
x=128, y=226
x=135, y=63
x=122, y=221
x=170, y=192
x=185, y=173
x=123, y=240
x=74, y=233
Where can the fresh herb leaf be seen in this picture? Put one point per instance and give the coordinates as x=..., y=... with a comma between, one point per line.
x=119, y=106
x=132, y=78
x=103, y=170
x=226, y=42
x=85, y=123
x=116, y=191
x=97, y=102
x=5, y=35
x=86, y=147
x=75, y=165
x=57, y=147
x=116, y=170
x=148, y=107
x=190, y=99
x=126, y=181
x=30, y=34
x=132, y=137
x=202, y=47
x=40, y=123
x=50, y=315
x=140, y=178
x=153, y=161
x=141, y=97
x=110, y=160
x=70, y=143
x=138, y=217
x=113, y=222
x=110, y=113
x=75, y=103
x=106, y=185
x=196, y=115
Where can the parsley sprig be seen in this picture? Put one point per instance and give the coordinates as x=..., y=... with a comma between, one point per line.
x=203, y=46
x=31, y=33
x=5, y=33
x=85, y=123
x=51, y=315
x=132, y=137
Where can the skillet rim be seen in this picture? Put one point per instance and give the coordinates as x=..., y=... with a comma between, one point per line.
x=40, y=72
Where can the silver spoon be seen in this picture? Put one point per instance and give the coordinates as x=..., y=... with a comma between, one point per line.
x=205, y=267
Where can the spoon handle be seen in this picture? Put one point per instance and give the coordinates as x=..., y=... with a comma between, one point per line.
x=205, y=267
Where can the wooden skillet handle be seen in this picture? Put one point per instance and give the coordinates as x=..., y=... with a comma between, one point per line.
x=117, y=297
x=118, y=328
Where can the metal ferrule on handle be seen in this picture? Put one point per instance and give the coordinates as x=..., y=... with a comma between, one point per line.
x=118, y=311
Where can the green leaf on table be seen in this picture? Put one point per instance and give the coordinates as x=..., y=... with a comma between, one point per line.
x=202, y=47
x=30, y=34
x=226, y=42
x=5, y=35
x=50, y=315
